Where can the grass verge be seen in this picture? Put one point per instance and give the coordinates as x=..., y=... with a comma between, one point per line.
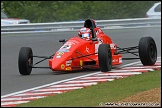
x=102, y=92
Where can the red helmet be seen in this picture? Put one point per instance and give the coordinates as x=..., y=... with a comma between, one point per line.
x=84, y=32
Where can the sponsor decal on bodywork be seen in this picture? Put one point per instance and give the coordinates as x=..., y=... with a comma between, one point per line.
x=58, y=56
x=68, y=63
x=63, y=50
x=68, y=68
x=87, y=49
x=81, y=63
x=97, y=45
x=66, y=47
x=115, y=60
x=62, y=66
x=113, y=46
x=60, y=53
x=120, y=60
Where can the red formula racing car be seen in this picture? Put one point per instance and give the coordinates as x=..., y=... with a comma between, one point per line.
x=91, y=49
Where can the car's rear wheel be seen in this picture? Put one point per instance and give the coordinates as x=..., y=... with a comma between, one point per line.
x=147, y=51
x=105, y=57
x=25, y=60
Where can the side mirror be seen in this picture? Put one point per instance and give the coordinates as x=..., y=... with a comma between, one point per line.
x=62, y=40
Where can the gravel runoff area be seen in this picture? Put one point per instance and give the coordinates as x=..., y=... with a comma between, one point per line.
x=149, y=98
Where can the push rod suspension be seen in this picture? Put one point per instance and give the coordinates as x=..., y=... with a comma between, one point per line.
x=45, y=58
x=128, y=50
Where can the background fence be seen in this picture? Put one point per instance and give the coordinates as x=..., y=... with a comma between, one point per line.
x=76, y=25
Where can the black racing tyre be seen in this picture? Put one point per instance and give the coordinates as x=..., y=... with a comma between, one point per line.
x=105, y=57
x=147, y=51
x=25, y=60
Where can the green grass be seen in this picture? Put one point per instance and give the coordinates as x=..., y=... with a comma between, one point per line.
x=102, y=92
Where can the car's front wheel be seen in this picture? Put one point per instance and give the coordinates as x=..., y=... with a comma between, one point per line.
x=105, y=57
x=25, y=61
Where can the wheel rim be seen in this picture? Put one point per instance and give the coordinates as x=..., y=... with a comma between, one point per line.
x=109, y=55
x=152, y=51
x=30, y=60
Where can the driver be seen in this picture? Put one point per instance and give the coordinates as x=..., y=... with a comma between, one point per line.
x=85, y=33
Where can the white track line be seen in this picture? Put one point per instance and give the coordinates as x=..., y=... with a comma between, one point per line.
x=72, y=85
x=132, y=70
x=35, y=94
x=47, y=85
x=18, y=102
x=22, y=98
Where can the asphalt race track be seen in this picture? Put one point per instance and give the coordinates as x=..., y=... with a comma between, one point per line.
x=46, y=44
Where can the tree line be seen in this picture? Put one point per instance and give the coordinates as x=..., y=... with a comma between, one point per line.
x=54, y=11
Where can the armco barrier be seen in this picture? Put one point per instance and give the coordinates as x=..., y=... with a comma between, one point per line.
x=75, y=25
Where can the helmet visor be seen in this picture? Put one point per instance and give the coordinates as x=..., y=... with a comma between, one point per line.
x=85, y=35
